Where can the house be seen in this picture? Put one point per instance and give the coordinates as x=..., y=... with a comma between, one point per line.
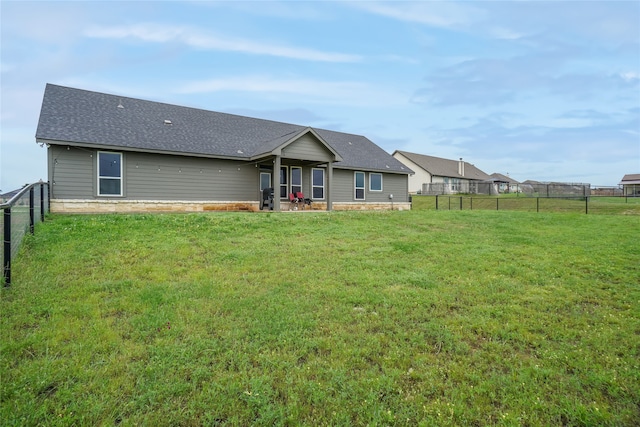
x=631, y=184
x=9, y=195
x=435, y=175
x=505, y=183
x=109, y=153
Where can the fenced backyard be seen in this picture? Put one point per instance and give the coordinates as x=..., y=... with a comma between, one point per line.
x=409, y=318
x=516, y=202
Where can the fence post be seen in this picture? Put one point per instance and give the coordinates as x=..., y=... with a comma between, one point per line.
x=436, y=202
x=460, y=202
x=32, y=217
x=6, y=262
x=41, y=202
x=537, y=204
x=449, y=202
x=497, y=204
x=471, y=203
x=586, y=205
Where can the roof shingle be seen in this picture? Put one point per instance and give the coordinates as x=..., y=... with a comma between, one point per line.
x=70, y=115
x=445, y=167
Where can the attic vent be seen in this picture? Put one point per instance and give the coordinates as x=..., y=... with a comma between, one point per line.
x=350, y=143
x=386, y=166
x=120, y=104
x=168, y=122
x=240, y=152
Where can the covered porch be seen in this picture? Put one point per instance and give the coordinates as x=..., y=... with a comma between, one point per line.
x=301, y=165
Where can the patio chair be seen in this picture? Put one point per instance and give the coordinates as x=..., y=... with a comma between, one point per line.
x=293, y=201
x=267, y=199
x=301, y=199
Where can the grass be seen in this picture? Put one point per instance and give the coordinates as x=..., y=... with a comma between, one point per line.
x=515, y=202
x=379, y=318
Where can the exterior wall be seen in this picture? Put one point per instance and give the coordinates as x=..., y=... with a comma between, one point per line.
x=631, y=189
x=147, y=176
x=131, y=206
x=420, y=177
x=160, y=182
x=343, y=189
x=71, y=172
x=71, y=206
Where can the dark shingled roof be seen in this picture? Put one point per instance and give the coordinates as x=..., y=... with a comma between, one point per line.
x=75, y=116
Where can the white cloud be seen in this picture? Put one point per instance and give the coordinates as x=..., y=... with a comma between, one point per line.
x=345, y=92
x=630, y=76
x=198, y=39
x=505, y=33
x=438, y=14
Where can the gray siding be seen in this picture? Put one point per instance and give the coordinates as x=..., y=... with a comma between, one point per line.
x=154, y=177
x=72, y=172
x=344, y=189
x=307, y=147
x=164, y=177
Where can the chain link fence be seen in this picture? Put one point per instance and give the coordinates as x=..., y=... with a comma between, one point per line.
x=19, y=216
x=532, y=189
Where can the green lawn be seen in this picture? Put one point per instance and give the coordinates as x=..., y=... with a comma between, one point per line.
x=313, y=318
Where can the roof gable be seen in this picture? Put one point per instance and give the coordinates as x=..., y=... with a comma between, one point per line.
x=632, y=178
x=306, y=145
x=79, y=117
x=503, y=178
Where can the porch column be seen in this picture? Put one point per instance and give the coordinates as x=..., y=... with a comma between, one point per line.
x=329, y=185
x=276, y=183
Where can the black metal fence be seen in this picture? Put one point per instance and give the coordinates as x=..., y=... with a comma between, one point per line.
x=587, y=205
x=531, y=189
x=19, y=216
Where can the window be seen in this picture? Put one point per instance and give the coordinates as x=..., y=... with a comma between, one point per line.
x=317, y=184
x=109, y=174
x=283, y=182
x=265, y=180
x=359, y=185
x=375, y=182
x=296, y=179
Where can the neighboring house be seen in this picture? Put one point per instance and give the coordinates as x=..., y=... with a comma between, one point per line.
x=109, y=153
x=631, y=184
x=505, y=183
x=8, y=196
x=435, y=175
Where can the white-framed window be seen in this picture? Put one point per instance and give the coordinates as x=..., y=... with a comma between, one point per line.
x=109, y=174
x=375, y=182
x=284, y=182
x=317, y=184
x=296, y=179
x=265, y=180
x=358, y=181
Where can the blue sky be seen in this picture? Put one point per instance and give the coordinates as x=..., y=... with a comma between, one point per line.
x=547, y=91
